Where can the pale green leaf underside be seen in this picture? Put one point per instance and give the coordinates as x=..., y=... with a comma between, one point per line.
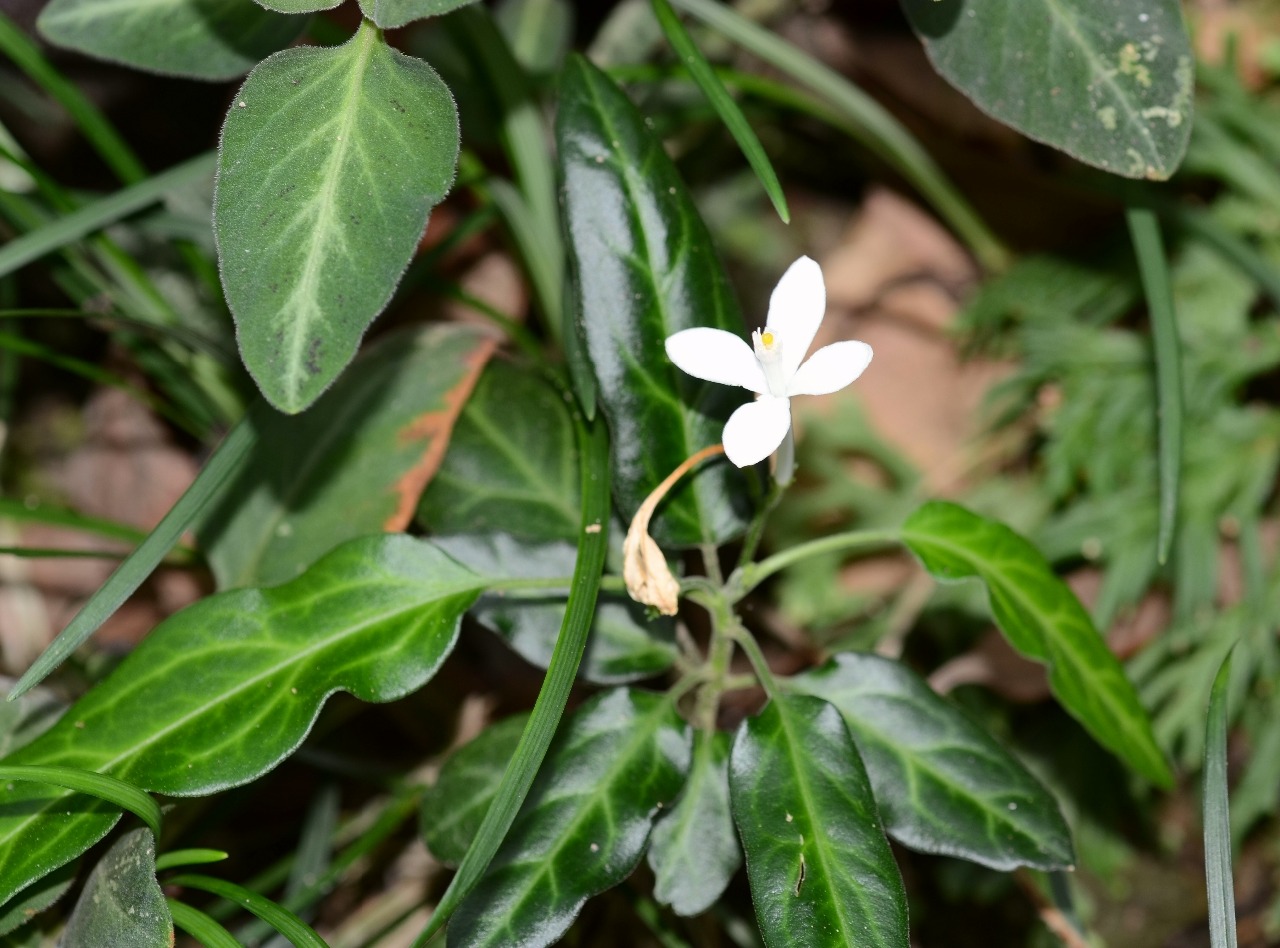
x=1044, y=621
x=201, y=39
x=331, y=160
x=298, y=6
x=1107, y=82
x=390, y=14
x=375, y=618
x=122, y=904
x=694, y=852
x=942, y=784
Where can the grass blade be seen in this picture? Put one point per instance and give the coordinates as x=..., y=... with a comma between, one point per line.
x=1217, y=823
x=281, y=919
x=1144, y=229
x=879, y=131
x=188, y=857
x=101, y=134
x=101, y=213
x=223, y=463
x=722, y=102
x=200, y=926
x=547, y=710
x=103, y=786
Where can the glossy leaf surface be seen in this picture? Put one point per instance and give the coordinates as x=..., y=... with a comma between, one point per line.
x=354, y=463
x=512, y=466
x=583, y=828
x=625, y=645
x=1045, y=622
x=122, y=903
x=644, y=267
x=694, y=851
x=195, y=38
x=331, y=160
x=820, y=868
x=942, y=784
x=375, y=618
x=390, y=14
x=1108, y=83
x=453, y=808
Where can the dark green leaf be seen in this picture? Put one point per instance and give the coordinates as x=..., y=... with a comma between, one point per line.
x=331, y=160
x=1045, y=622
x=375, y=618
x=511, y=466
x=820, y=868
x=645, y=268
x=26, y=718
x=122, y=903
x=453, y=808
x=353, y=464
x=221, y=39
x=390, y=14
x=624, y=645
x=689, y=54
x=539, y=32
x=694, y=851
x=1217, y=820
x=593, y=452
x=1107, y=83
x=583, y=828
x=941, y=783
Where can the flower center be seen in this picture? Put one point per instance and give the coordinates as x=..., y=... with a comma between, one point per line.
x=769, y=351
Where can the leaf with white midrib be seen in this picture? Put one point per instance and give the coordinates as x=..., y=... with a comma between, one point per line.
x=330, y=161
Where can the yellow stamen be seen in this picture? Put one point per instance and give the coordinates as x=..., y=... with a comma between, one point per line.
x=766, y=339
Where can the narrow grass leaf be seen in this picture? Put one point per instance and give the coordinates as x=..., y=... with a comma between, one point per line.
x=103, y=786
x=593, y=448
x=200, y=926
x=1153, y=265
x=94, y=216
x=1217, y=820
x=188, y=857
x=687, y=50
x=140, y=564
x=281, y=919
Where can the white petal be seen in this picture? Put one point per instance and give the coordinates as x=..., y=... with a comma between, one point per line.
x=755, y=430
x=831, y=368
x=717, y=356
x=795, y=311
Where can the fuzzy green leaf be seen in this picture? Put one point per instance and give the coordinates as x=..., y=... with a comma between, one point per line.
x=694, y=852
x=643, y=268
x=195, y=38
x=1045, y=622
x=1108, y=83
x=353, y=464
x=390, y=14
x=942, y=784
x=122, y=903
x=512, y=466
x=820, y=868
x=331, y=160
x=453, y=808
x=375, y=618
x=583, y=828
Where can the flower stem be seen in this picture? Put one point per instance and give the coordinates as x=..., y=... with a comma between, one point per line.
x=749, y=645
x=750, y=575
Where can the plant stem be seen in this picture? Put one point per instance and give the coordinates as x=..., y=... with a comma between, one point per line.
x=749, y=645
x=750, y=575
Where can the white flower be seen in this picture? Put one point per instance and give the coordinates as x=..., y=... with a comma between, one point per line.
x=773, y=371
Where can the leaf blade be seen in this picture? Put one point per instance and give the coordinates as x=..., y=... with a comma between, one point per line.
x=122, y=903
x=1044, y=621
x=1217, y=820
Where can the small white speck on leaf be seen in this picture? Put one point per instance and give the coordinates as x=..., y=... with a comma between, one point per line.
x=242, y=104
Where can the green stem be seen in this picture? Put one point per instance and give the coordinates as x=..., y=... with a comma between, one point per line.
x=750, y=575
x=752, y=648
x=719, y=656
